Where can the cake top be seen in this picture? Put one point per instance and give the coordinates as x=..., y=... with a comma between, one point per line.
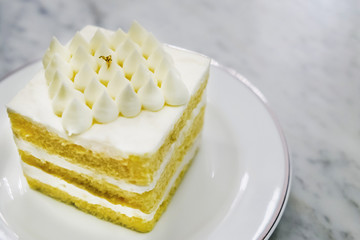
x=111, y=75
x=124, y=136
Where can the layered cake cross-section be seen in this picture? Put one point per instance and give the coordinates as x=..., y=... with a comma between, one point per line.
x=111, y=123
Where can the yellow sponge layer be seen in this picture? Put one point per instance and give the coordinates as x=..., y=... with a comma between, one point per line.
x=134, y=223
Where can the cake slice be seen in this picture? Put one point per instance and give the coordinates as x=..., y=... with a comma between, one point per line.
x=111, y=123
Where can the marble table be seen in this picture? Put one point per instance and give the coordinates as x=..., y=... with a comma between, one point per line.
x=303, y=55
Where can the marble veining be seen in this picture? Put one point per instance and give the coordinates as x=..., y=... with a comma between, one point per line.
x=303, y=55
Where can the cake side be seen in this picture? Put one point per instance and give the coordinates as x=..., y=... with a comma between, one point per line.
x=141, y=197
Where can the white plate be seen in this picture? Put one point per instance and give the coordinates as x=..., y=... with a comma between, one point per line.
x=237, y=187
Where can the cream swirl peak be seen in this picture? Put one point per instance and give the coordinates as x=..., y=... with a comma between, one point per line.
x=110, y=75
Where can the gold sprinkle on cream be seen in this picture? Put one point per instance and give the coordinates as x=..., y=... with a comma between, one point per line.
x=107, y=59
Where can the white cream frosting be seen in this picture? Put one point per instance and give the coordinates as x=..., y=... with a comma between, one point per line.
x=141, y=134
x=132, y=62
x=62, y=97
x=140, y=76
x=117, y=38
x=59, y=79
x=137, y=33
x=55, y=47
x=59, y=64
x=149, y=46
x=102, y=50
x=76, y=41
x=99, y=39
x=132, y=51
x=124, y=50
x=81, y=57
x=116, y=84
x=151, y=96
x=82, y=79
x=156, y=57
x=106, y=73
x=162, y=69
x=128, y=102
x=93, y=91
x=79, y=193
x=105, y=109
x=77, y=117
x=175, y=91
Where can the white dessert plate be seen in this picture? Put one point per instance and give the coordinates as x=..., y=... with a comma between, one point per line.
x=237, y=187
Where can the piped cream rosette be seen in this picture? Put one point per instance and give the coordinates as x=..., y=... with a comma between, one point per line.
x=112, y=75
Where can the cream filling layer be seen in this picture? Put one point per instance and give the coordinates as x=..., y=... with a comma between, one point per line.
x=63, y=163
x=79, y=193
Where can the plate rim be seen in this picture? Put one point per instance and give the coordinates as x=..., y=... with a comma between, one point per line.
x=285, y=192
x=286, y=188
